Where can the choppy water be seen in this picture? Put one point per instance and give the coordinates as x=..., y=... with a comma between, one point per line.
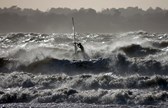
x=122, y=69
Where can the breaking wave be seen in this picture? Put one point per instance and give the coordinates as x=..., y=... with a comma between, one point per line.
x=138, y=51
x=85, y=88
x=119, y=64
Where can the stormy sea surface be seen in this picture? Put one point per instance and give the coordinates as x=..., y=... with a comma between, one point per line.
x=117, y=70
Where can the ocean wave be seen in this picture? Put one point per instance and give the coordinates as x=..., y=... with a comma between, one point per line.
x=51, y=65
x=86, y=88
x=135, y=50
x=83, y=81
x=122, y=69
x=122, y=97
x=161, y=44
x=118, y=63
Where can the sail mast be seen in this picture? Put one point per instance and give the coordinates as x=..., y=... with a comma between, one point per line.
x=73, y=28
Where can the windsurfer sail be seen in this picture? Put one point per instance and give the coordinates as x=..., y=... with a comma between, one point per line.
x=81, y=53
x=74, y=40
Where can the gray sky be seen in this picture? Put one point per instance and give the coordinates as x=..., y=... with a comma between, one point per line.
x=76, y=4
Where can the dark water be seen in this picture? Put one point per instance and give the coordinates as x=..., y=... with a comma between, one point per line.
x=123, y=69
